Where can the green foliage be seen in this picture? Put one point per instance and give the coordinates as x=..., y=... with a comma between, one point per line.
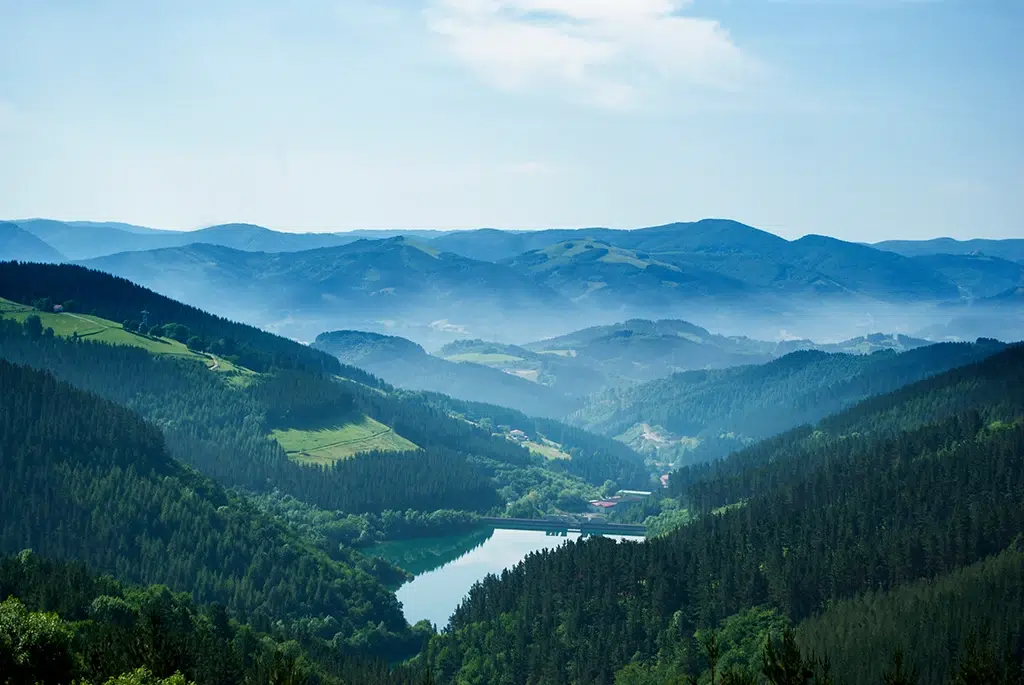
x=143, y=676
x=759, y=401
x=81, y=478
x=117, y=299
x=33, y=326
x=64, y=624
x=825, y=518
x=34, y=646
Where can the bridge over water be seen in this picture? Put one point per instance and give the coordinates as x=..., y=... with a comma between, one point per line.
x=567, y=526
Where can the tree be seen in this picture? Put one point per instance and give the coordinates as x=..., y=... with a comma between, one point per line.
x=898, y=672
x=34, y=647
x=34, y=326
x=783, y=664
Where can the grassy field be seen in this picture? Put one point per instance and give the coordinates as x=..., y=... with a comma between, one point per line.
x=89, y=327
x=532, y=375
x=487, y=359
x=547, y=449
x=329, y=444
x=560, y=353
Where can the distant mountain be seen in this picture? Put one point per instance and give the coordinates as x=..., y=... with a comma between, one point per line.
x=88, y=240
x=121, y=226
x=515, y=287
x=708, y=257
x=364, y=281
x=598, y=358
x=406, y=364
x=864, y=344
x=977, y=275
x=596, y=272
x=700, y=236
x=1011, y=249
x=1000, y=316
x=640, y=350
x=19, y=245
x=725, y=408
x=252, y=238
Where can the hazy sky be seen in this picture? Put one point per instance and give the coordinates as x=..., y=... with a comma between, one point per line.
x=863, y=119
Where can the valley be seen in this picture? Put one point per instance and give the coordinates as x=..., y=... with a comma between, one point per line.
x=512, y=342
x=401, y=470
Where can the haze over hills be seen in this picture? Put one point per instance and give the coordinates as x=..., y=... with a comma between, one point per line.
x=17, y=243
x=714, y=412
x=286, y=510
x=1008, y=248
x=549, y=377
x=406, y=364
x=978, y=276
x=515, y=287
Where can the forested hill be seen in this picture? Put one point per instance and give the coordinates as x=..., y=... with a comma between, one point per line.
x=223, y=430
x=84, y=479
x=753, y=402
x=593, y=457
x=907, y=509
x=60, y=623
x=117, y=299
x=406, y=364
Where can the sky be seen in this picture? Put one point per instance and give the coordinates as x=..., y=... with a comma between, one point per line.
x=860, y=119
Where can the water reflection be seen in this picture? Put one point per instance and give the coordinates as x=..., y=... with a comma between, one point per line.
x=446, y=568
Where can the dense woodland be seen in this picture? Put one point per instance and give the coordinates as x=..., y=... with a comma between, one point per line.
x=595, y=458
x=61, y=622
x=831, y=517
x=222, y=431
x=84, y=479
x=725, y=408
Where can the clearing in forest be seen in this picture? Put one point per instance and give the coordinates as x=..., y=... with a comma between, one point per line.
x=88, y=327
x=484, y=358
x=328, y=444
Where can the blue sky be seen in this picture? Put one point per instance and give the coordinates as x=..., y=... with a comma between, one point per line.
x=862, y=119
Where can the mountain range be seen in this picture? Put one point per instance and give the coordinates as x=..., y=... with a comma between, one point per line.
x=435, y=287
x=550, y=378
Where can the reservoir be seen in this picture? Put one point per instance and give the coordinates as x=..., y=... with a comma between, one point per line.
x=446, y=568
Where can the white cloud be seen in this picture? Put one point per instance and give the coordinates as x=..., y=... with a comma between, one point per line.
x=607, y=52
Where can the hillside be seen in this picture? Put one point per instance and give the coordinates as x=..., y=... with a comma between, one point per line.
x=62, y=623
x=88, y=240
x=385, y=449
x=977, y=275
x=84, y=479
x=1011, y=249
x=405, y=364
x=520, y=286
x=361, y=284
x=20, y=245
x=117, y=299
x=780, y=533
x=723, y=409
x=640, y=350
x=599, y=358
x=596, y=272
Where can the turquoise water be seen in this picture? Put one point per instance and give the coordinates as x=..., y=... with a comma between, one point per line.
x=446, y=568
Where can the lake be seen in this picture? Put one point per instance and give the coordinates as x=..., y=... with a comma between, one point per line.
x=446, y=568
